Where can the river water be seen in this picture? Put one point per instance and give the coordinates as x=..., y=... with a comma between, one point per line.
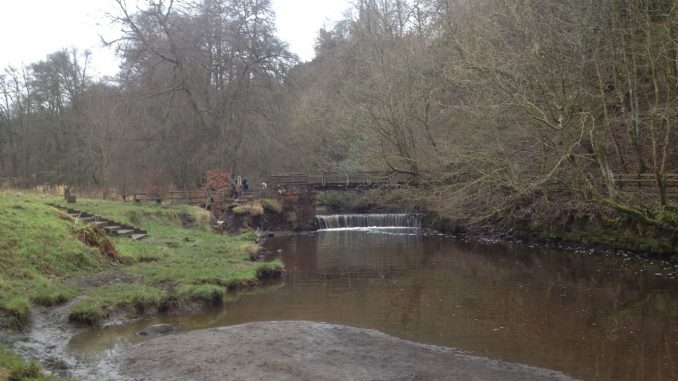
x=593, y=316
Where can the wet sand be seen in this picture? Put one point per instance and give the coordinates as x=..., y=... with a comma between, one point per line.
x=302, y=350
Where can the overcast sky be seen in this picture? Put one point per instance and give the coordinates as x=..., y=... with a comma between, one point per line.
x=31, y=29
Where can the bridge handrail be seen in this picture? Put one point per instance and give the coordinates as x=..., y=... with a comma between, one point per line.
x=644, y=180
x=341, y=178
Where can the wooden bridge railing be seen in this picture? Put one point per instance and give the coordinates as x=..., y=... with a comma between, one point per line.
x=298, y=178
x=175, y=197
x=139, y=197
x=339, y=180
x=630, y=183
x=191, y=197
x=187, y=197
x=647, y=183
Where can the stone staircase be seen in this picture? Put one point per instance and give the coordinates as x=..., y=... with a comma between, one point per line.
x=111, y=227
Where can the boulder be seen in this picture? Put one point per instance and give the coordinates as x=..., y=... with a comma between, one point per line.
x=157, y=330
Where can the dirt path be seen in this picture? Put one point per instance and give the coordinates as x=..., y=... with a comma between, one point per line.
x=300, y=350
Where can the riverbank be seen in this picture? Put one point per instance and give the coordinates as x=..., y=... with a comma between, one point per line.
x=12, y=367
x=539, y=221
x=181, y=265
x=302, y=350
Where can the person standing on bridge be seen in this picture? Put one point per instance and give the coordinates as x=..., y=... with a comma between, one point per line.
x=245, y=184
x=234, y=191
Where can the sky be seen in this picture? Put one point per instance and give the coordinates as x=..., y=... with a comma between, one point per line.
x=31, y=29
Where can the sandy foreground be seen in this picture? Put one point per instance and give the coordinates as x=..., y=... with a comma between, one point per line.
x=301, y=350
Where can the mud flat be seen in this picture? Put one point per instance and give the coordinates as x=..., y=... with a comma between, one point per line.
x=301, y=350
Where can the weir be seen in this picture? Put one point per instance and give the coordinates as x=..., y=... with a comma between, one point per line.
x=337, y=221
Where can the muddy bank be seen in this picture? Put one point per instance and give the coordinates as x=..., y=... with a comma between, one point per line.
x=46, y=340
x=301, y=350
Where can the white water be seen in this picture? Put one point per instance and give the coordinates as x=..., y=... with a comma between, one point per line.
x=342, y=221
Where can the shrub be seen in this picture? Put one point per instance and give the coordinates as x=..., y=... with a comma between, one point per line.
x=256, y=210
x=272, y=205
x=241, y=210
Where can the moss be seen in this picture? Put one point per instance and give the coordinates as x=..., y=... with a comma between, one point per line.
x=272, y=205
x=610, y=233
x=667, y=217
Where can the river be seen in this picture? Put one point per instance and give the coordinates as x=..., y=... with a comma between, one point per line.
x=594, y=316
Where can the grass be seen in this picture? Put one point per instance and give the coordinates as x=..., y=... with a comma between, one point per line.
x=13, y=368
x=38, y=252
x=175, y=264
x=46, y=264
x=93, y=307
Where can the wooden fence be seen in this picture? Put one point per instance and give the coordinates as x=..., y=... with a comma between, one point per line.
x=174, y=197
x=646, y=183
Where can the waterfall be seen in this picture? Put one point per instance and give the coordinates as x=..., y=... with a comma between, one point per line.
x=368, y=220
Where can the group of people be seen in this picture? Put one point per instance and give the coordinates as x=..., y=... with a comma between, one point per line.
x=238, y=185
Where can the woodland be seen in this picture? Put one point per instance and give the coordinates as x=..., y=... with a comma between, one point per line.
x=495, y=108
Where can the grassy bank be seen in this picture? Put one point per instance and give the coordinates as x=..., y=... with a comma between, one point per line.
x=38, y=252
x=43, y=261
x=593, y=225
x=13, y=368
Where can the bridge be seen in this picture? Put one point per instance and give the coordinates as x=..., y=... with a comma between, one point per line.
x=300, y=183
x=338, y=181
x=633, y=184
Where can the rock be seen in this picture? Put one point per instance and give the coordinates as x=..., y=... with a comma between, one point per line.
x=56, y=364
x=157, y=330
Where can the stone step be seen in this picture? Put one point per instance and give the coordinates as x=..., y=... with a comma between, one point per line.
x=81, y=216
x=111, y=227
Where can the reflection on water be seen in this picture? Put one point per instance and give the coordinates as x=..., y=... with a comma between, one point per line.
x=595, y=317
